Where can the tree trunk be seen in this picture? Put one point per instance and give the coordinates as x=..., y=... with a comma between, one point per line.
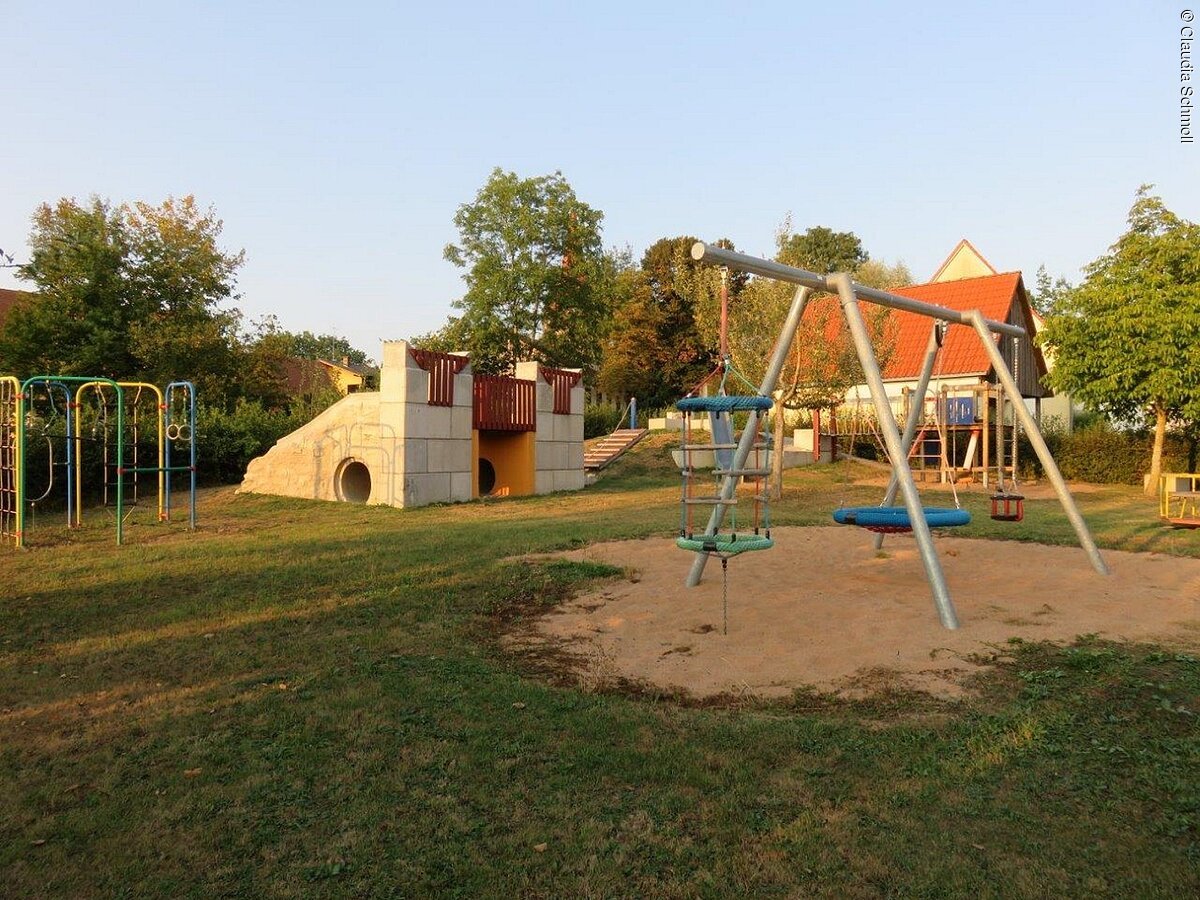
x=1160, y=433
x=777, y=453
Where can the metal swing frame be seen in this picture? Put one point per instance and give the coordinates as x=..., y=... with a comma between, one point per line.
x=850, y=296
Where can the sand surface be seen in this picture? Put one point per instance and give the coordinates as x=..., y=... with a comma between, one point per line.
x=822, y=609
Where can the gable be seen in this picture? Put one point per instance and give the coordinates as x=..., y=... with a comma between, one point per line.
x=964, y=261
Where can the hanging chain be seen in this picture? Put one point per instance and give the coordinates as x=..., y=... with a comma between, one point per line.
x=724, y=595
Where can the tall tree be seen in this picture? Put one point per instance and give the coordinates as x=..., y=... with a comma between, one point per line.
x=78, y=323
x=129, y=291
x=1125, y=340
x=822, y=364
x=821, y=250
x=332, y=347
x=1047, y=292
x=536, y=275
x=665, y=334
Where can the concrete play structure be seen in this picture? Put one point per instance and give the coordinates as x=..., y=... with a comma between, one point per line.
x=434, y=432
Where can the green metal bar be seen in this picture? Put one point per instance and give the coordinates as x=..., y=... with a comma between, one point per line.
x=21, y=467
x=76, y=379
x=159, y=469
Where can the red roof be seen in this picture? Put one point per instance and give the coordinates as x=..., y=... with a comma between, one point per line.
x=962, y=354
x=8, y=299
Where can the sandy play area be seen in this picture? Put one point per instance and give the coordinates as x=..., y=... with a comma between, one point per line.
x=822, y=609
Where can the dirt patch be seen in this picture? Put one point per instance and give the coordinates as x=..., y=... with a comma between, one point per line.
x=823, y=610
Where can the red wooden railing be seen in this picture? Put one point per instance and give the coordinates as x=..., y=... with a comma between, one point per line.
x=442, y=367
x=505, y=404
x=562, y=381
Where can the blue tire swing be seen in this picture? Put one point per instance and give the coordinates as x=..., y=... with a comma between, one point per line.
x=895, y=519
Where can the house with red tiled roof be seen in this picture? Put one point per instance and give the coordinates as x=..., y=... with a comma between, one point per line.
x=8, y=299
x=964, y=398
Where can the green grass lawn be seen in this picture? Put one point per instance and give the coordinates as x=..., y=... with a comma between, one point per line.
x=309, y=699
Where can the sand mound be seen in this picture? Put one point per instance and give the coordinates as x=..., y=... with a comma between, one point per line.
x=823, y=610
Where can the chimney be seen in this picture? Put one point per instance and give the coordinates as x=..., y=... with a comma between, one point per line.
x=346, y=361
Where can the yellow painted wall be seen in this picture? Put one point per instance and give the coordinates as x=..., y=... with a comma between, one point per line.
x=511, y=455
x=344, y=380
x=964, y=263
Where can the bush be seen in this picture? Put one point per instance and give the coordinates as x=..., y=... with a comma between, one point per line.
x=1101, y=454
x=226, y=441
x=600, y=419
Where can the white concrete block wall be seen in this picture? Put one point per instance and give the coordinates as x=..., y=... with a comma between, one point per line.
x=416, y=453
x=436, y=462
x=421, y=490
x=461, y=486
x=461, y=422
x=558, y=444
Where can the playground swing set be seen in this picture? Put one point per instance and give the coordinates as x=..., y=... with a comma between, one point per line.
x=68, y=420
x=1007, y=505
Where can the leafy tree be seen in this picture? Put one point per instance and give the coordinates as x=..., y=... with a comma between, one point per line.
x=131, y=292
x=821, y=250
x=78, y=322
x=822, y=364
x=664, y=336
x=535, y=272
x=332, y=347
x=1125, y=340
x=1047, y=293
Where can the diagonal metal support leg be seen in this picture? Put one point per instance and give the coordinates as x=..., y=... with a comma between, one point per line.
x=1039, y=443
x=914, y=416
x=891, y=438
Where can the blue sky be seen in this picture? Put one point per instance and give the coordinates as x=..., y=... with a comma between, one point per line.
x=337, y=140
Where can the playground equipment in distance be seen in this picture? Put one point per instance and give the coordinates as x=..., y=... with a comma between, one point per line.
x=65, y=416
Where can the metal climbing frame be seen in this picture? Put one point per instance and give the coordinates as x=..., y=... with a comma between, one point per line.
x=10, y=460
x=851, y=295
x=26, y=386
x=174, y=426
x=180, y=416
x=32, y=419
x=131, y=418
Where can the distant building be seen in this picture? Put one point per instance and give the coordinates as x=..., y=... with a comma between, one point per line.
x=8, y=299
x=962, y=402
x=348, y=377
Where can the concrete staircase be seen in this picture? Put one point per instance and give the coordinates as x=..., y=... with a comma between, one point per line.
x=605, y=450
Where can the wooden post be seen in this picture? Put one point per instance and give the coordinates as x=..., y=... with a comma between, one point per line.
x=987, y=400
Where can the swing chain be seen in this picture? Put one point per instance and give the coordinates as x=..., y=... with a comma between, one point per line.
x=725, y=595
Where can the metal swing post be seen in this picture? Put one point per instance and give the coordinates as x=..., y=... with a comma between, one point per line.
x=891, y=438
x=1039, y=443
x=915, y=411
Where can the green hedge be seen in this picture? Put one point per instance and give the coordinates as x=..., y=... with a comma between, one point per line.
x=600, y=419
x=226, y=440
x=1102, y=455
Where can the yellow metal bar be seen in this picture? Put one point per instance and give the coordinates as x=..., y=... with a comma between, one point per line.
x=161, y=419
x=13, y=396
x=20, y=468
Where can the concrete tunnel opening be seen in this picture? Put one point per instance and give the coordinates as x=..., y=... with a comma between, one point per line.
x=353, y=482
